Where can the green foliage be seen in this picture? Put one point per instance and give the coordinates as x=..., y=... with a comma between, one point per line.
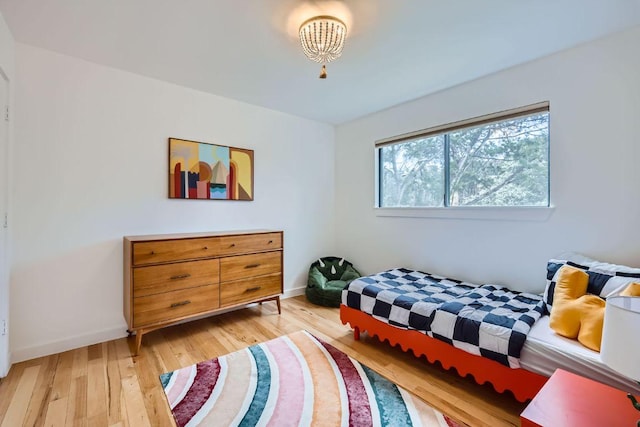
x=496, y=164
x=413, y=173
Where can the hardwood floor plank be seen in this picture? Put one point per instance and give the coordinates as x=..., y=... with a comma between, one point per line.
x=62, y=379
x=94, y=352
x=104, y=385
x=164, y=353
x=204, y=339
x=77, y=403
x=147, y=384
x=8, y=386
x=97, y=404
x=37, y=410
x=123, y=406
x=56, y=412
x=80, y=362
x=17, y=410
x=114, y=385
x=134, y=402
x=125, y=360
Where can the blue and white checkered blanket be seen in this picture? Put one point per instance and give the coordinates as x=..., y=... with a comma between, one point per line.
x=488, y=320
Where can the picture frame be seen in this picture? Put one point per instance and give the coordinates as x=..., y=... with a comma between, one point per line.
x=203, y=171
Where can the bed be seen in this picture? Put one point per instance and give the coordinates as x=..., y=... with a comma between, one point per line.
x=544, y=352
x=413, y=309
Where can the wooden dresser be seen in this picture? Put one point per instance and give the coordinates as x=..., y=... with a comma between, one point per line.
x=173, y=277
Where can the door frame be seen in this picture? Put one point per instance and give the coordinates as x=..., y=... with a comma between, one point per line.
x=5, y=252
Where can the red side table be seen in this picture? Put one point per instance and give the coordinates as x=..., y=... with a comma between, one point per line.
x=569, y=400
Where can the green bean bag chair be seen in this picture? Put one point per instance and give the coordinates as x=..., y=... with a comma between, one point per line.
x=327, y=278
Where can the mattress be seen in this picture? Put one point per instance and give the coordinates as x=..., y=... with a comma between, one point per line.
x=544, y=351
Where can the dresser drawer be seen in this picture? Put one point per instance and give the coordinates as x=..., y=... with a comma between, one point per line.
x=174, y=250
x=250, y=289
x=249, y=243
x=157, y=279
x=172, y=306
x=244, y=266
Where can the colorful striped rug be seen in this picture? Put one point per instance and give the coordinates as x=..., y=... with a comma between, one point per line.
x=294, y=380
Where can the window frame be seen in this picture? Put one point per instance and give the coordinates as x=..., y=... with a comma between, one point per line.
x=448, y=211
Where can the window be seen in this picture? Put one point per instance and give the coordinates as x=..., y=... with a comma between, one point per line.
x=496, y=160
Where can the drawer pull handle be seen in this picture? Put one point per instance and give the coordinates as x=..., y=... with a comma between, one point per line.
x=181, y=276
x=232, y=245
x=255, y=288
x=153, y=253
x=181, y=303
x=252, y=266
x=270, y=242
x=205, y=248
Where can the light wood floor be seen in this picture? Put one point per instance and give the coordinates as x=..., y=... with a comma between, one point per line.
x=102, y=385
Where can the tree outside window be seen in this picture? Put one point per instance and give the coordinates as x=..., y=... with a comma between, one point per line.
x=500, y=163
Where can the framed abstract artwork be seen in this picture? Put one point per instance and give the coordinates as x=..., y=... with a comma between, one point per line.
x=198, y=170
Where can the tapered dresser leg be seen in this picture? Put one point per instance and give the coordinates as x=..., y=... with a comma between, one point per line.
x=278, y=302
x=138, y=342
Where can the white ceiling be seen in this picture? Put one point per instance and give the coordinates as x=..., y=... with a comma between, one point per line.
x=396, y=50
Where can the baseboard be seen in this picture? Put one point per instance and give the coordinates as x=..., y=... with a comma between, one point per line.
x=109, y=334
x=66, y=344
x=295, y=292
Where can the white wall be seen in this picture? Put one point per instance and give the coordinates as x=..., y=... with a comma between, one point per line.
x=594, y=94
x=91, y=167
x=7, y=63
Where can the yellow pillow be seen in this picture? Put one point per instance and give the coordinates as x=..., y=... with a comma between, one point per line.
x=633, y=290
x=575, y=314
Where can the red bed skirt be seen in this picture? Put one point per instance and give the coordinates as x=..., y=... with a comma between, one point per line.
x=522, y=383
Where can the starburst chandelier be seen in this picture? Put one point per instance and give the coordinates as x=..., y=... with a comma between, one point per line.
x=322, y=38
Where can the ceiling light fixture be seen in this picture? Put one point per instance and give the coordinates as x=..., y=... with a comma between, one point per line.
x=322, y=39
